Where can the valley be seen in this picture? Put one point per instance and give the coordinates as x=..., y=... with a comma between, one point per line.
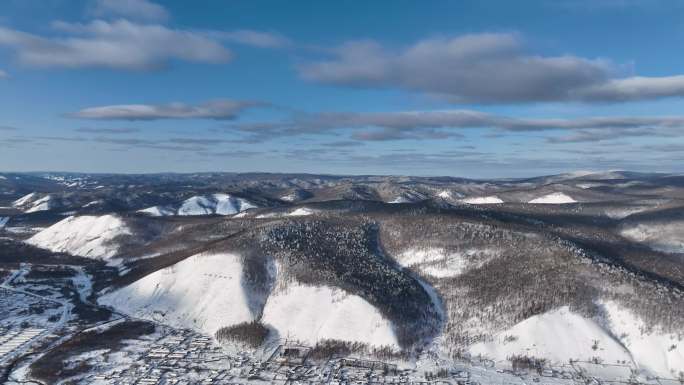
x=280, y=278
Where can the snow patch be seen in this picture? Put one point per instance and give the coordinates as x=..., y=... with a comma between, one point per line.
x=302, y=211
x=553, y=198
x=3, y=221
x=220, y=204
x=667, y=237
x=558, y=336
x=24, y=200
x=85, y=236
x=310, y=314
x=441, y=263
x=483, y=200
x=661, y=354
x=204, y=292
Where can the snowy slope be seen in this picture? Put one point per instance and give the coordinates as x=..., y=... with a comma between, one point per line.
x=558, y=335
x=158, y=211
x=667, y=237
x=554, y=198
x=661, y=354
x=309, y=314
x=207, y=292
x=302, y=211
x=482, y=200
x=24, y=200
x=33, y=202
x=441, y=263
x=221, y=204
x=203, y=292
x=86, y=236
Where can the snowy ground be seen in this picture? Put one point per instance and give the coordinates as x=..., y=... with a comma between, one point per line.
x=483, y=200
x=441, y=263
x=204, y=292
x=667, y=237
x=220, y=204
x=309, y=314
x=553, y=198
x=85, y=236
x=561, y=335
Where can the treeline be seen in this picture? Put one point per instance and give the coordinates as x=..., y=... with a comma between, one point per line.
x=252, y=334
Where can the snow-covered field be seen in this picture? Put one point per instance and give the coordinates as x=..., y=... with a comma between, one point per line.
x=560, y=335
x=489, y=200
x=85, y=236
x=441, y=263
x=659, y=353
x=667, y=237
x=33, y=202
x=309, y=314
x=554, y=198
x=203, y=292
x=207, y=292
x=302, y=211
x=220, y=204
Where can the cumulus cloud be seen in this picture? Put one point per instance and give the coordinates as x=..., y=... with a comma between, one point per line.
x=133, y=9
x=484, y=68
x=218, y=109
x=119, y=44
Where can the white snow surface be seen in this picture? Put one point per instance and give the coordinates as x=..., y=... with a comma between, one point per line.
x=221, y=204
x=204, y=292
x=302, y=211
x=667, y=237
x=554, y=198
x=85, y=236
x=441, y=263
x=43, y=204
x=444, y=194
x=651, y=350
x=560, y=335
x=24, y=200
x=32, y=203
x=309, y=314
x=207, y=292
x=483, y=200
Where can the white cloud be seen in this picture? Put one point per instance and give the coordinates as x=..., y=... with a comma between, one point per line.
x=484, y=68
x=132, y=9
x=218, y=109
x=120, y=44
x=255, y=38
x=447, y=123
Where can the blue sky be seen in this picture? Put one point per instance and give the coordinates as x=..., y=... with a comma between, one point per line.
x=464, y=88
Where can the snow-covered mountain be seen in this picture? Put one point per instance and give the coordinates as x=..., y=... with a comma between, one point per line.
x=482, y=271
x=219, y=204
x=85, y=236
